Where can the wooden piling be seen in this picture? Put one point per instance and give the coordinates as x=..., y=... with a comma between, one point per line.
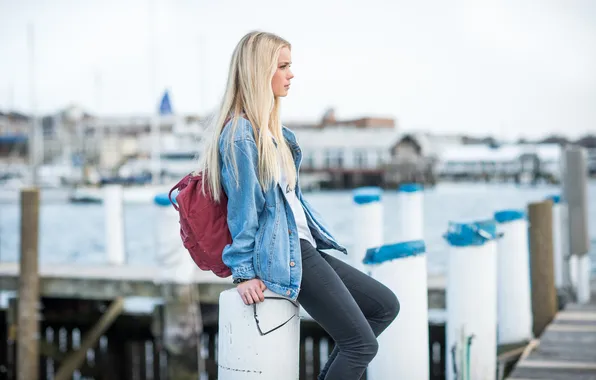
x=28, y=290
x=544, y=294
x=178, y=326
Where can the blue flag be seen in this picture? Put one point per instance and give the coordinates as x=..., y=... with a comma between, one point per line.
x=165, y=107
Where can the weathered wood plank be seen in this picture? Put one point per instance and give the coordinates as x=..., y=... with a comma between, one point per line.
x=551, y=374
x=567, y=348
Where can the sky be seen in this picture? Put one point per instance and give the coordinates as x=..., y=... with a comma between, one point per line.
x=510, y=69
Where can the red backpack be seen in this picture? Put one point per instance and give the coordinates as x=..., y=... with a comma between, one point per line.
x=203, y=224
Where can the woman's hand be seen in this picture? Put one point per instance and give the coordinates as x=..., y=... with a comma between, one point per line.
x=251, y=291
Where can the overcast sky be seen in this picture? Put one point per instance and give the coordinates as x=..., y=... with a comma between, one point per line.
x=507, y=68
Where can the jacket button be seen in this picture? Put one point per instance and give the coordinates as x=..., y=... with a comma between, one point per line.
x=288, y=292
x=290, y=232
x=292, y=263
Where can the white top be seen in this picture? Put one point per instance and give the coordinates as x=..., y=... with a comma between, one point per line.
x=298, y=211
x=295, y=205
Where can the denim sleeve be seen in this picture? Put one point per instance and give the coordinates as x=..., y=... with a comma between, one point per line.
x=245, y=202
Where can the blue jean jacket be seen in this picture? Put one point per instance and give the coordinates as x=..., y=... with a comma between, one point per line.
x=265, y=242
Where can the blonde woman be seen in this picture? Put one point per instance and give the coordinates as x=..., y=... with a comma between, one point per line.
x=276, y=235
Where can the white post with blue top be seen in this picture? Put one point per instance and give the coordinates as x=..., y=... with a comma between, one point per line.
x=259, y=341
x=368, y=224
x=114, y=224
x=514, y=303
x=403, y=346
x=471, y=338
x=177, y=266
x=410, y=209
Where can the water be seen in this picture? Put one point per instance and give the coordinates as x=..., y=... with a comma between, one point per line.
x=73, y=233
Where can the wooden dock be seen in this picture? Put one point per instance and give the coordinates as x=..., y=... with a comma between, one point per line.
x=93, y=281
x=149, y=322
x=566, y=349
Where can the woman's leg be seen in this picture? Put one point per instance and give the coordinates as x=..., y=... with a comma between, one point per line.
x=352, y=307
x=378, y=303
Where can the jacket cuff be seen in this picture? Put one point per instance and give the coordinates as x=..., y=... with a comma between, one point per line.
x=245, y=272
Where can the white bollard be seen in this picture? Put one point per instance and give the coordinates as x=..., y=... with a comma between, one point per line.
x=565, y=247
x=471, y=338
x=176, y=264
x=573, y=274
x=368, y=224
x=114, y=224
x=583, y=279
x=243, y=352
x=557, y=241
x=411, y=212
x=575, y=194
x=514, y=303
x=403, y=346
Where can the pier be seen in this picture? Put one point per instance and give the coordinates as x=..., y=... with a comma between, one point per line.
x=565, y=351
x=506, y=306
x=131, y=342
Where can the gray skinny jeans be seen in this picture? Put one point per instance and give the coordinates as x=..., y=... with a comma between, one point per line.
x=351, y=306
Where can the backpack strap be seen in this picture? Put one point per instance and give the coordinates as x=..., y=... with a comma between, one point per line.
x=187, y=178
x=176, y=187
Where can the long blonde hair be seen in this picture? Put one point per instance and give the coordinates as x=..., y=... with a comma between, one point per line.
x=249, y=94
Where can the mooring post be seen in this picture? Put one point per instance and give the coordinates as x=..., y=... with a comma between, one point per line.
x=178, y=326
x=259, y=341
x=410, y=210
x=114, y=224
x=471, y=336
x=544, y=293
x=402, y=268
x=514, y=299
x=575, y=193
x=27, y=318
x=368, y=224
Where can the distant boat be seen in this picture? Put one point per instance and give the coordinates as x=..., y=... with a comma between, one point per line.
x=130, y=195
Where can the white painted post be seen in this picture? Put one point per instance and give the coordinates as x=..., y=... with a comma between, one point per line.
x=514, y=303
x=471, y=301
x=573, y=275
x=559, y=256
x=567, y=282
x=114, y=224
x=584, y=267
x=575, y=194
x=368, y=224
x=411, y=212
x=403, y=346
x=177, y=266
x=245, y=354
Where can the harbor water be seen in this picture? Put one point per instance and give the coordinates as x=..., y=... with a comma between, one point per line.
x=74, y=233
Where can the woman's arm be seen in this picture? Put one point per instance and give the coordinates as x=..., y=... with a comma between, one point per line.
x=245, y=202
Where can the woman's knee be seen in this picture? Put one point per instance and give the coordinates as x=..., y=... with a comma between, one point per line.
x=364, y=349
x=392, y=307
x=370, y=350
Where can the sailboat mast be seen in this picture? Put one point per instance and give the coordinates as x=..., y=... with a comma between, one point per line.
x=34, y=143
x=154, y=118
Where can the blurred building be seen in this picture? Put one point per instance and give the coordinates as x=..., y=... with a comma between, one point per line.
x=338, y=153
x=345, y=153
x=522, y=163
x=414, y=157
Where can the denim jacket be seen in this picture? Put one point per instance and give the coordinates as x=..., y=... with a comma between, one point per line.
x=265, y=242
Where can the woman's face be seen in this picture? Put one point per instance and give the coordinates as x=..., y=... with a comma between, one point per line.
x=281, y=79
